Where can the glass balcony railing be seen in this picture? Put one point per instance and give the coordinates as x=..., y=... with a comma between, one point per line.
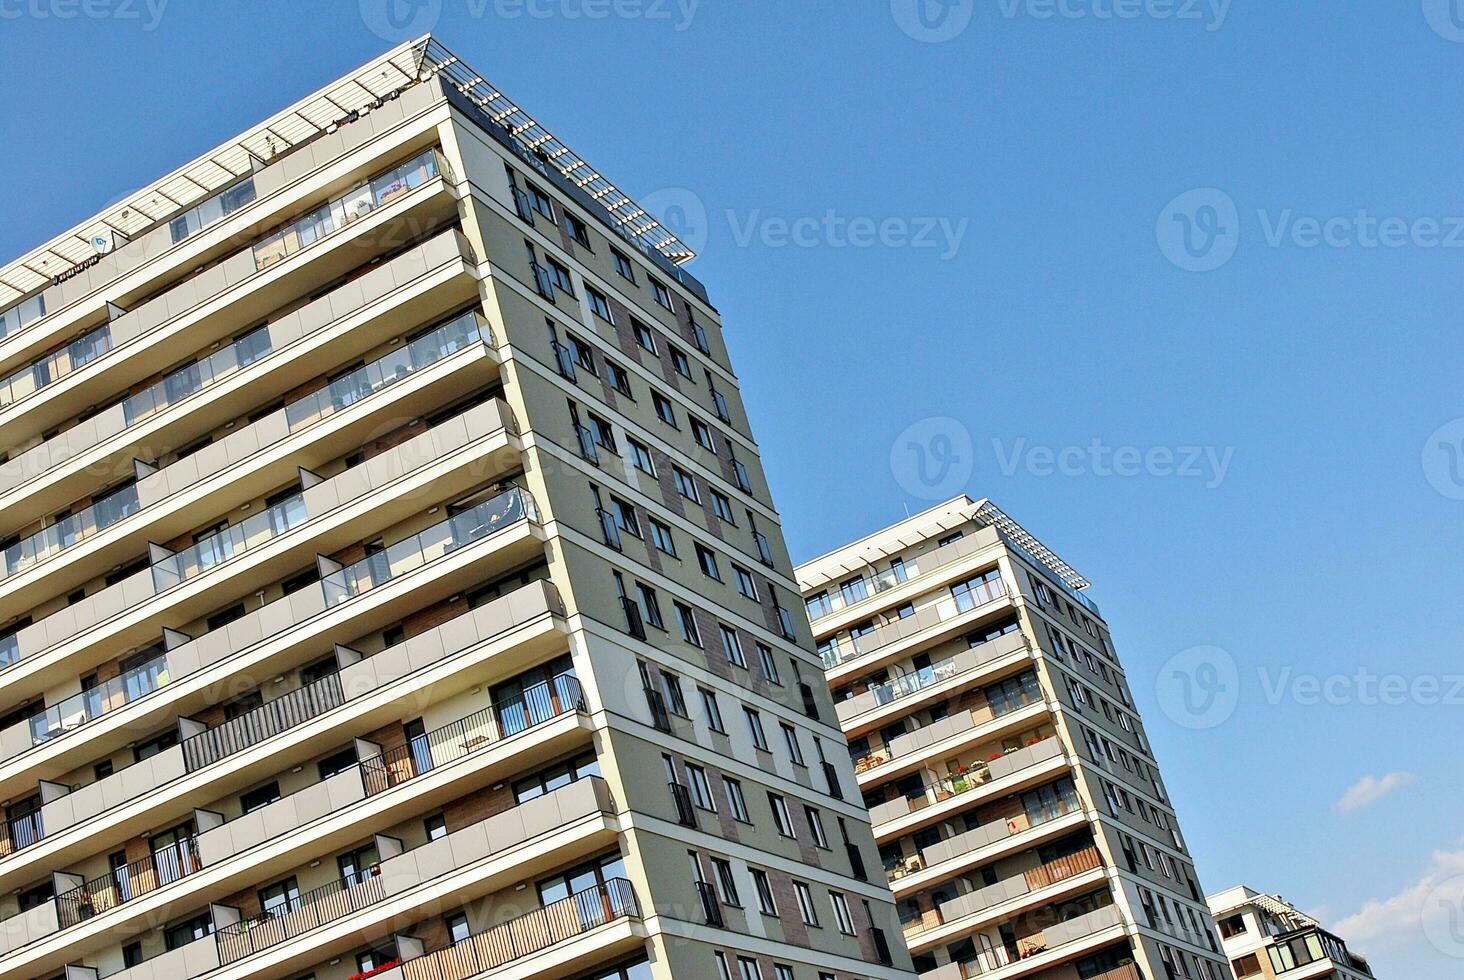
x=462, y=331
x=54, y=367
x=9, y=650
x=22, y=314
x=476, y=523
x=92, y=703
x=220, y=205
x=527, y=934
x=348, y=208
x=194, y=377
x=67, y=532
x=841, y=649
x=218, y=548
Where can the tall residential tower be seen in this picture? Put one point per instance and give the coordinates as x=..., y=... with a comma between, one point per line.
x=1015, y=798
x=390, y=585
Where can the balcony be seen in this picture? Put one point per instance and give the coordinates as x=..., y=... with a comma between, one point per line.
x=1028, y=762
x=1035, y=884
x=271, y=620
x=145, y=790
x=416, y=869
x=1057, y=942
x=918, y=571
x=333, y=513
x=210, y=306
x=559, y=922
x=944, y=675
x=392, y=298
x=986, y=842
x=988, y=721
x=886, y=639
x=163, y=867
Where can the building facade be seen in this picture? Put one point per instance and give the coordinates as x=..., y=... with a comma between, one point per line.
x=391, y=586
x=1267, y=936
x=1018, y=808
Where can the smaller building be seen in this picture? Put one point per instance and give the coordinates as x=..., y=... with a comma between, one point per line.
x=1267, y=936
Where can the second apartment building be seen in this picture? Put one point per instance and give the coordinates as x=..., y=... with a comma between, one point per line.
x=1019, y=810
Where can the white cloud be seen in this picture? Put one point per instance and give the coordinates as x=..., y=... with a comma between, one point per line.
x=1426, y=909
x=1369, y=789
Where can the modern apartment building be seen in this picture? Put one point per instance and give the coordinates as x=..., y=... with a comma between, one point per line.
x=391, y=586
x=1267, y=936
x=1016, y=800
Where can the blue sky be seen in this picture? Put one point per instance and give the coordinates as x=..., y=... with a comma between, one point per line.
x=983, y=224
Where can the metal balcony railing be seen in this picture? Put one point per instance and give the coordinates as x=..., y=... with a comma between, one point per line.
x=265, y=721
x=300, y=914
x=660, y=717
x=557, y=922
x=535, y=706
x=685, y=812
x=1007, y=890
x=711, y=905
x=21, y=832
x=162, y=867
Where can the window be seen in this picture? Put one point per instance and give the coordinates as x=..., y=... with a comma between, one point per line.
x=540, y=201
x=782, y=819
x=842, y=917
x=261, y=797
x=640, y=456
x=577, y=229
x=602, y=432
x=619, y=379
x=713, y=710
x=747, y=969
x=661, y=537
x=790, y=738
x=755, y=729
x=435, y=826
x=687, y=621
x=805, y=904
x=1247, y=966
x=736, y=802
x=650, y=606
x=664, y=411
x=679, y=361
x=279, y=898
x=722, y=506
x=337, y=763
x=769, y=666
x=625, y=518
x=708, y=563
x=816, y=827
x=766, y=904
x=1232, y=926
x=723, y=973
x=599, y=305
x=818, y=605
x=685, y=484
x=726, y=884
x=732, y=645
x=561, y=277
x=702, y=433
x=643, y=336
x=745, y=583
x=701, y=790
x=854, y=590
x=583, y=356
x=622, y=265
x=662, y=294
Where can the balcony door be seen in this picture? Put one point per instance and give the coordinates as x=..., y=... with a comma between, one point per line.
x=585, y=887
x=172, y=853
